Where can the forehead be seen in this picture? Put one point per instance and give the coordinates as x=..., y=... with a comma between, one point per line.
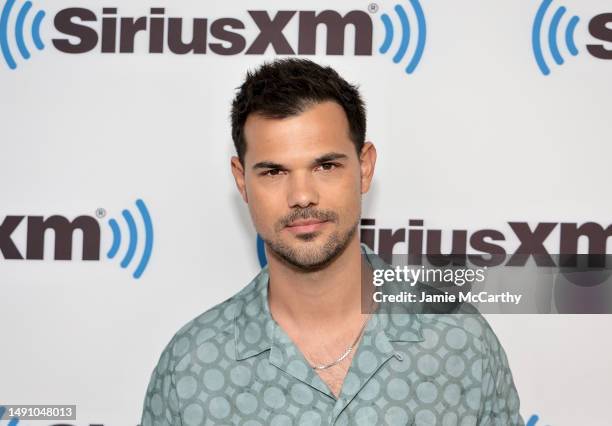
x=321, y=128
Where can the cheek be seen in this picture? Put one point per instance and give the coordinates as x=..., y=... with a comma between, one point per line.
x=264, y=208
x=347, y=199
x=352, y=186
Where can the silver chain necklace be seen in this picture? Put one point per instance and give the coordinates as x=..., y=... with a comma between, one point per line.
x=346, y=352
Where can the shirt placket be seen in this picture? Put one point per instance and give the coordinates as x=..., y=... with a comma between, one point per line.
x=373, y=351
x=286, y=356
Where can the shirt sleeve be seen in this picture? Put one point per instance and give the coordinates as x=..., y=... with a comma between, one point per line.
x=161, y=406
x=500, y=401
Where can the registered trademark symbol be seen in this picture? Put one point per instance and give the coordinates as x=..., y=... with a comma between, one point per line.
x=100, y=213
x=372, y=8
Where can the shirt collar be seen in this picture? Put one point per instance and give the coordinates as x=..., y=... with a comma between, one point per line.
x=254, y=327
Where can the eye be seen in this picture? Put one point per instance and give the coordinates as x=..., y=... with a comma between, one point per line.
x=328, y=166
x=272, y=172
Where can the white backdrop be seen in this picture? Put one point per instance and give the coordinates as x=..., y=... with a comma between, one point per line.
x=474, y=138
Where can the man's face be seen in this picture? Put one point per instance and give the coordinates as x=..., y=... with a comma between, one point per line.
x=303, y=180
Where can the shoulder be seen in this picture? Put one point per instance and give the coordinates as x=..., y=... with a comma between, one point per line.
x=205, y=335
x=191, y=350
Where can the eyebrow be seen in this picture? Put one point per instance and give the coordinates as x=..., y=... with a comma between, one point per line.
x=331, y=156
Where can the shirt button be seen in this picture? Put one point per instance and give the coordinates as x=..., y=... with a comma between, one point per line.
x=399, y=356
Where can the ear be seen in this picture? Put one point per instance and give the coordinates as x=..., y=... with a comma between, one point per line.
x=238, y=172
x=367, y=160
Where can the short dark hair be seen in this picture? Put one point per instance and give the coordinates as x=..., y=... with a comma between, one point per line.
x=287, y=87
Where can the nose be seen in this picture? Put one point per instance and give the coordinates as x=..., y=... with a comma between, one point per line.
x=302, y=191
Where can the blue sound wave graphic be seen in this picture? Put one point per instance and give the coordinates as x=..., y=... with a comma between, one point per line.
x=261, y=253
x=19, y=31
x=404, y=42
x=13, y=422
x=552, y=36
x=133, y=239
x=533, y=420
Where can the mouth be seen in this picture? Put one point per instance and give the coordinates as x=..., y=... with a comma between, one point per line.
x=306, y=226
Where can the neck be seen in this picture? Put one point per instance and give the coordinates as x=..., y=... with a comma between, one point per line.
x=311, y=298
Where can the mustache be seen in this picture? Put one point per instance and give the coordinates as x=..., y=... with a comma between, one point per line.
x=307, y=213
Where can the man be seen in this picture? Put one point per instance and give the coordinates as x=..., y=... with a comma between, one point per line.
x=295, y=346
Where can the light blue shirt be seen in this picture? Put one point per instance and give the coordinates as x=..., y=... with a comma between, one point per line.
x=234, y=365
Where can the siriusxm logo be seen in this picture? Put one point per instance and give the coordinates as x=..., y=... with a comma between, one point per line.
x=561, y=30
x=82, y=30
x=63, y=229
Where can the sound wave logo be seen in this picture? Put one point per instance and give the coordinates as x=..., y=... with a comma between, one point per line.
x=19, y=31
x=533, y=420
x=405, y=35
x=133, y=238
x=261, y=252
x=13, y=422
x=552, y=35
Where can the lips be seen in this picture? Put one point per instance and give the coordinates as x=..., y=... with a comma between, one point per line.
x=305, y=222
x=306, y=225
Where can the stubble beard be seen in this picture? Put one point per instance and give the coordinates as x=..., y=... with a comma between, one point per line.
x=313, y=258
